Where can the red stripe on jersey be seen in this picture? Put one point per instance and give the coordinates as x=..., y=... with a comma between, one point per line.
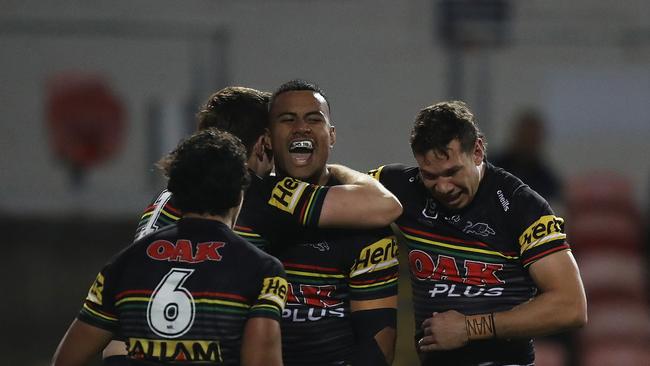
x=450, y=239
x=133, y=292
x=220, y=294
x=243, y=228
x=385, y=278
x=305, y=266
x=171, y=208
x=545, y=253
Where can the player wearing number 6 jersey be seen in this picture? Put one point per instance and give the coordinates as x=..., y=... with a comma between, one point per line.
x=193, y=292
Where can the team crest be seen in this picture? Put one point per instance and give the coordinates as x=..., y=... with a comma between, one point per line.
x=430, y=210
x=480, y=228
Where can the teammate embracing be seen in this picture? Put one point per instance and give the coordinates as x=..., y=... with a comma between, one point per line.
x=490, y=265
x=193, y=292
x=341, y=307
x=347, y=268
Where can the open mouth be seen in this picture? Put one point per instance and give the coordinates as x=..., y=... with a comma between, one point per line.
x=301, y=150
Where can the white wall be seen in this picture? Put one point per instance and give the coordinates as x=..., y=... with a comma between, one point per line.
x=378, y=60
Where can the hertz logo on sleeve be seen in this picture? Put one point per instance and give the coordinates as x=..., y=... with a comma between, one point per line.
x=377, y=256
x=547, y=228
x=275, y=290
x=95, y=292
x=286, y=194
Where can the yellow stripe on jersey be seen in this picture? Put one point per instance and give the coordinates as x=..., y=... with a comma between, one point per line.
x=312, y=274
x=456, y=247
x=266, y=306
x=247, y=234
x=311, y=200
x=90, y=310
x=374, y=284
x=196, y=301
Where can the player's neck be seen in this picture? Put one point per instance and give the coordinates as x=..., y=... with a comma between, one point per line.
x=320, y=178
x=227, y=219
x=259, y=168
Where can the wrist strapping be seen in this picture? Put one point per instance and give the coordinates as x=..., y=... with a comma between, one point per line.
x=480, y=326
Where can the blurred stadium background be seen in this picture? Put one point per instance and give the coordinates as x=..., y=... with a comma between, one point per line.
x=92, y=93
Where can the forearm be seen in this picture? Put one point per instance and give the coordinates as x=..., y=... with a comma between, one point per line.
x=375, y=331
x=560, y=305
x=261, y=343
x=360, y=201
x=80, y=344
x=545, y=314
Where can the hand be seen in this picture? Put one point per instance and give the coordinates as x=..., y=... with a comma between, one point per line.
x=443, y=331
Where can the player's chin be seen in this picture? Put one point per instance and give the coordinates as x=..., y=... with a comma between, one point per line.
x=300, y=172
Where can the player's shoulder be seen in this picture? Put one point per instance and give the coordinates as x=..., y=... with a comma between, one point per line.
x=252, y=254
x=510, y=185
x=519, y=202
x=396, y=177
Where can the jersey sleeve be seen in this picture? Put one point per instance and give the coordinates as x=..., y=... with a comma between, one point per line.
x=99, y=308
x=287, y=204
x=158, y=214
x=273, y=291
x=540, y=232
x=392, y=176
x=375, y=269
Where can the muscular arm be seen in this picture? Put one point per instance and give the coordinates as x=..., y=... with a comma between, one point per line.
x=261, y=344
x=360, y=201
x=374, y=323
x=80, y=344
x=560, y=305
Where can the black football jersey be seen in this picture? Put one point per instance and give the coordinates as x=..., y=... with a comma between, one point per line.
x=183, y=294
x=474, y=260
x=326, y=269
x=271, y=204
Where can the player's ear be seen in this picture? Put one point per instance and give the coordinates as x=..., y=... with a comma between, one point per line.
x=332, y=136
x=479, y=151
x=258, y=148
x=267, y=139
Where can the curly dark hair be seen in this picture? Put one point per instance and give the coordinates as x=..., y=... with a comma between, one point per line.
x=238, y=110
x=437, y=125
x=207, y=172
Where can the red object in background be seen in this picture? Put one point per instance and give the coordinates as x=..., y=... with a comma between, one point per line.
x=85, y=119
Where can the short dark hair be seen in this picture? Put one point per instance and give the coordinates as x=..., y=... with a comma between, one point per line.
x=298, y=85
x=207, y=172
x=437, y=125
x=238, y=110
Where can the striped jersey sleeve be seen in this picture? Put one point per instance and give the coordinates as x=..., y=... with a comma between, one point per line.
x=541, y=231
x=375, y=269
x=98, y=308
x=273, y=292
x=296, y=201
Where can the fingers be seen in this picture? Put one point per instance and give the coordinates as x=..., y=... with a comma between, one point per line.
x=427, y=321
x=427, y=344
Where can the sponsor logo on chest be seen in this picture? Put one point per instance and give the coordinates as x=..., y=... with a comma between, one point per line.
x=312, y=302
x=477, y=278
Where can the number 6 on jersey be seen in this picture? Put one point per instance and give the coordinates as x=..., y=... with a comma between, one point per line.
x=170, y=312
